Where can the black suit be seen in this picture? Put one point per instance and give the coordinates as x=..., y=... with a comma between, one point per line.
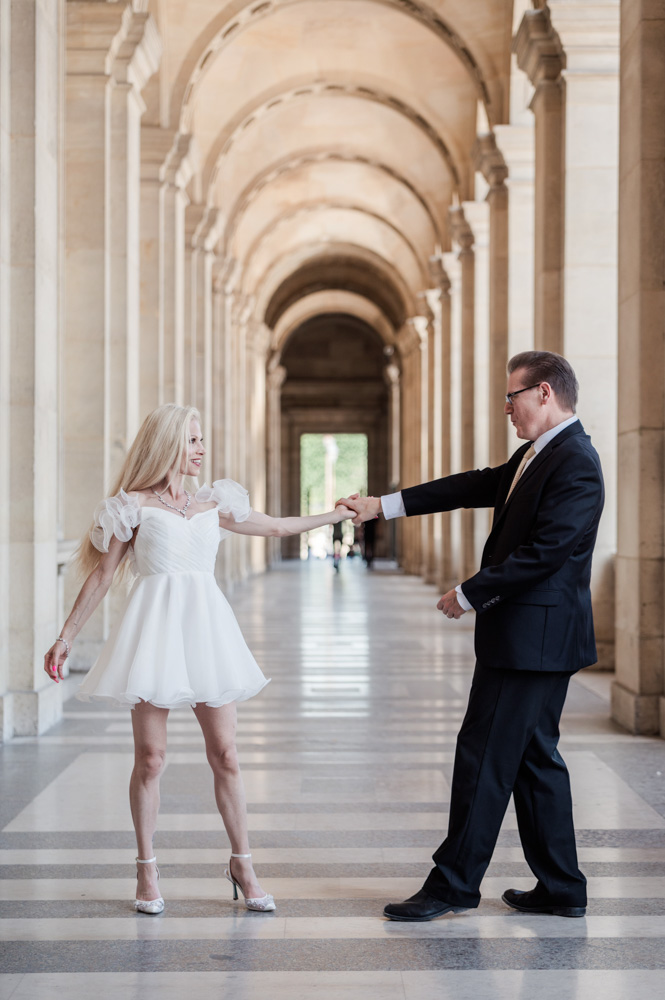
x=534, y=628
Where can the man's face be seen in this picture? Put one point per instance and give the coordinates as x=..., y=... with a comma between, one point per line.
x=529, y=411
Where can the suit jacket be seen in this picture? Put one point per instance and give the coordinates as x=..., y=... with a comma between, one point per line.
x=532, y=594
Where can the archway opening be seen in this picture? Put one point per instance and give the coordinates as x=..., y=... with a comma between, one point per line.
x=331, y=466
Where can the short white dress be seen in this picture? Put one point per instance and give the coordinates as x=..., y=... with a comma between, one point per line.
x=177, y=641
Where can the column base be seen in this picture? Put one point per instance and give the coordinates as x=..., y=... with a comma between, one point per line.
x=30, y=713
x=640, y=714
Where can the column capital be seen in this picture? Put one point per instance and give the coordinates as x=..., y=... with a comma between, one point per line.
x=182, y=160
x=488, y=159
x=156, y=145
x=275, y=374
x=139, y=53
x=202, y=224
x=540, y=53
x=392, y=374
x=94, y=35
x=438, y=275
x=461, y=230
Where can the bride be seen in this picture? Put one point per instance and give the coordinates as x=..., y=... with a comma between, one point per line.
x=177, y=641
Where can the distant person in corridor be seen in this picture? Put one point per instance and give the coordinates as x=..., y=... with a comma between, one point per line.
x=534, y=628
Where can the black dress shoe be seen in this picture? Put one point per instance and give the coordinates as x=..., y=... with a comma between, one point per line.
x=422, y=906
x=528, y=902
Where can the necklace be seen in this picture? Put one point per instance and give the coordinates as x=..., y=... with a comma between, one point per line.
x=178, y=510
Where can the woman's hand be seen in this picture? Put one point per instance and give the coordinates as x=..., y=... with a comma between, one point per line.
x=54, y=661
x=344, y=513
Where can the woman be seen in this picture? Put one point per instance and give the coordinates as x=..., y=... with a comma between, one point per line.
x=177, y=641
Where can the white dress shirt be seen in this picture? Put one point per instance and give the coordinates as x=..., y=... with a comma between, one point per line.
x=392, y=504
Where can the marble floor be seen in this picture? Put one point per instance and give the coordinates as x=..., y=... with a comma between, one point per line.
x=347, y=757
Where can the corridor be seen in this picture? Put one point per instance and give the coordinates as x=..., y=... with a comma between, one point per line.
x=347, y=757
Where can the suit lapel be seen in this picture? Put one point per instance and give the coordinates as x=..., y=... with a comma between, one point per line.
x=536, y=463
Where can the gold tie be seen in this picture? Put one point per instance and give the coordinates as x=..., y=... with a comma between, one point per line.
x=528, y=454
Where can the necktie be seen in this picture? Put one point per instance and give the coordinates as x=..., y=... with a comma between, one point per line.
x=528, y=454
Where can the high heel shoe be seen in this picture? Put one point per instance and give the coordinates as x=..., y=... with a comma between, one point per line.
x=263, y=903
x=151, y=906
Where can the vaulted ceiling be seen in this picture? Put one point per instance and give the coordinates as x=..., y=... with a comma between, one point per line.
x=332, y=135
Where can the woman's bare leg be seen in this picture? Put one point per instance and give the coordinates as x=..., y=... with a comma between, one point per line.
x=219, y=732
x=149, y=725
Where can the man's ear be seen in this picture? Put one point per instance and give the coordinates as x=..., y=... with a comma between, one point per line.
x=546, y=391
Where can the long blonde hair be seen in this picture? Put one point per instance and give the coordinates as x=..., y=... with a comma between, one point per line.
x=156, y=455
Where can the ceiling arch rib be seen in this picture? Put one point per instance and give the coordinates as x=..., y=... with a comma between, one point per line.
x=292, y=167
x=266, y=104
x=342, y=128
x=345, y=267
x=334, y=223
x=329, y=301
x=326, y=185
x=229, y=25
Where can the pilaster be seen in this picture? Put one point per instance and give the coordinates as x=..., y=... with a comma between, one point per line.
x=541, y=55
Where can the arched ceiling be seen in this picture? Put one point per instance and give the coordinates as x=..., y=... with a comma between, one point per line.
x=332, y=135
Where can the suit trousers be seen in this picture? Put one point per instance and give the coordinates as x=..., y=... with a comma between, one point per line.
x=508, y=744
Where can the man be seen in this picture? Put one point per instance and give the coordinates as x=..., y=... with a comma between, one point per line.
x=534, y=628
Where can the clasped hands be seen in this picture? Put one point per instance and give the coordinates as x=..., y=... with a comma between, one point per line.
x=367, y=508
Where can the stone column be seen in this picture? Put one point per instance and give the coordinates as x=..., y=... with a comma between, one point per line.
x=31, y=70
x=409, y=342
x=590, y=35
x=540, y=54
x=453, y=569
x=179, y=169
x=489, y=160
x=637, y=694
x=463, y=237
x=200, y=332
x=111, y=51
x=518, y=149
x=424, y=328
x=275, y=376
x=435, y=413
x=439, y=301
x=393, y=378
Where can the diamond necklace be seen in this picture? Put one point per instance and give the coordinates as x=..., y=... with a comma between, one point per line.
x=178, y=510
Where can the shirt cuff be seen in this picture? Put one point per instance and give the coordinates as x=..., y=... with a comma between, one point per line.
x=461, y=599
x=392, y=505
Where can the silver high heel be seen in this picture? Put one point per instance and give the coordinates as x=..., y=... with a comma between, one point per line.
x=149, y=905
x=263, y=903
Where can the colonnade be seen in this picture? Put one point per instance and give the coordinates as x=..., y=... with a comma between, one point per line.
x=118, y=293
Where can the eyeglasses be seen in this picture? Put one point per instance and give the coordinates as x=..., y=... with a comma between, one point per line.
x=510, y=396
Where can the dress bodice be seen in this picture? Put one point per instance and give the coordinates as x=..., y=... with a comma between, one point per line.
x=168, y=543
x=165, y=541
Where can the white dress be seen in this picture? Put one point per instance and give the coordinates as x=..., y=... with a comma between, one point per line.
x=177, y=641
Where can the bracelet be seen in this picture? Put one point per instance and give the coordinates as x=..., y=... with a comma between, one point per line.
x=66, y=644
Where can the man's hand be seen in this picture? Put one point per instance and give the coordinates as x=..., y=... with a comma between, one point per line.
x=365, y=507
x=449, y=604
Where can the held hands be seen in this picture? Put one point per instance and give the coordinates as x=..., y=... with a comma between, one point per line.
x=343, y=511
x=364, y=508
x=450, y=605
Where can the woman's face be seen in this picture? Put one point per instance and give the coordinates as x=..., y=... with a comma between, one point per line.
x=195, y=450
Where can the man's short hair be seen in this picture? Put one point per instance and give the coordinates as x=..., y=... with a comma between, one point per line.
x=546, y=366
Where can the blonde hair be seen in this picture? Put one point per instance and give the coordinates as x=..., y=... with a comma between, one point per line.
x=156, y=455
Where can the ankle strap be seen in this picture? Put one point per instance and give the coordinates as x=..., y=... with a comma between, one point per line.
x=240, y=855
x=148, y=861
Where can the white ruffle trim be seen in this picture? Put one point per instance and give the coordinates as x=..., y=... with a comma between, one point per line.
x=230, y=497
x=118, y=516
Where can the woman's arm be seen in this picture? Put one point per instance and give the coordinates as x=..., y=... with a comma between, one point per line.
x=91, y=594
x=279, y=527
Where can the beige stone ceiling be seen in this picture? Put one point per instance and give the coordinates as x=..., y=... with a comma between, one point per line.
x=332, y=130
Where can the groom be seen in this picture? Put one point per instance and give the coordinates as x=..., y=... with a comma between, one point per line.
x=534, y=628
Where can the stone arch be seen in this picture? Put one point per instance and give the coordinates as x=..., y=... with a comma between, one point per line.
x=228, y=25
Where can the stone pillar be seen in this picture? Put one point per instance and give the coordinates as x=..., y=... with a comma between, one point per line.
x=434, y=297
x=276, y=374
x=637, y=694
x=489, y=160
x=517, y=146
x=540, y=54
x=590, y=35
x=111, y=51
x=477, y=214
x=453, y=568
x=199, y=335
x=409, y=342
x=439, y=301
x=31, y=70
x=393, y=378
x=179, y=169
x=463, y=237
x=424, y=328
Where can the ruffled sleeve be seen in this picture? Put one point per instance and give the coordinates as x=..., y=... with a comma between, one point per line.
x=118, y=516
x=230, y=497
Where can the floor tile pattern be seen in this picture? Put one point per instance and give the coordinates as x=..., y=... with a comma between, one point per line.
x=347, y=758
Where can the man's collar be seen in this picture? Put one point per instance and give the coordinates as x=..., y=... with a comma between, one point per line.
x=549, y=435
